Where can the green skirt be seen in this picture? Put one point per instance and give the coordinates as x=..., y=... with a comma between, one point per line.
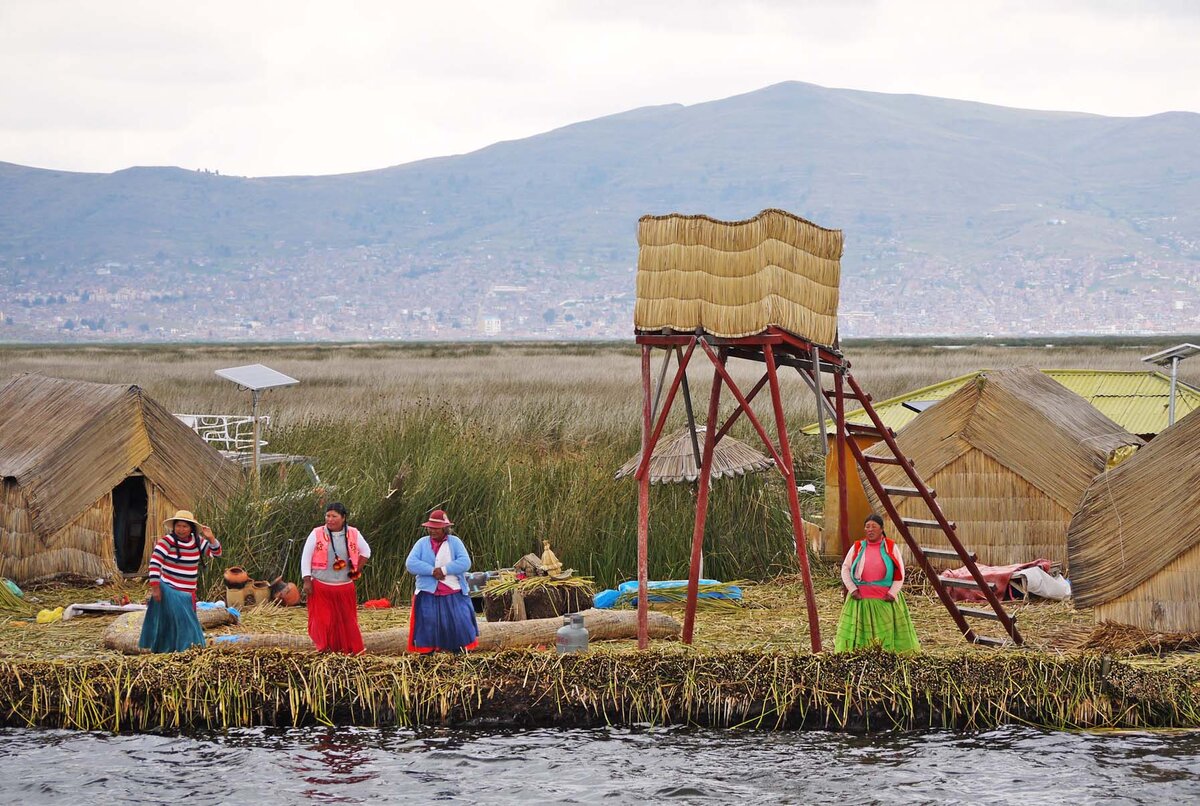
x=869, y=621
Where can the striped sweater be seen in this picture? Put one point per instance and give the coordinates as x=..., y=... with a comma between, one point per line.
x=177, y=562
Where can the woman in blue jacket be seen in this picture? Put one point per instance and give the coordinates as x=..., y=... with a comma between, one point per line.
x=442, y=617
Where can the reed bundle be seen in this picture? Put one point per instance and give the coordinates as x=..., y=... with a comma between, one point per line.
x=508, y=583
x=866, y=690
x=669, y=596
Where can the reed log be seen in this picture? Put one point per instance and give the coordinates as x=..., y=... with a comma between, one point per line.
x=602, y=625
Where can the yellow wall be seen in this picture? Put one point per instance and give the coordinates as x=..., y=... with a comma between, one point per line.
x=858, y=507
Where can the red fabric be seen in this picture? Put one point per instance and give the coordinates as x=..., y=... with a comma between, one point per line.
x=377, y=604
x=998, y=575
x=412, y=625
x=873, y=570
x=333, y=618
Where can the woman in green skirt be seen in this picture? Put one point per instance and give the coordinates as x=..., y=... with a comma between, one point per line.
x=874, y=612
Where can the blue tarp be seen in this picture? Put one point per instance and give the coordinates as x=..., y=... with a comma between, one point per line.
x=608, y=598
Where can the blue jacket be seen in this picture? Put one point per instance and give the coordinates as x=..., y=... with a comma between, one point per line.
x=420, y=563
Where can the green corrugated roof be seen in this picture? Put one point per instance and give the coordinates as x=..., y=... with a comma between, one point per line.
x=1136, y=401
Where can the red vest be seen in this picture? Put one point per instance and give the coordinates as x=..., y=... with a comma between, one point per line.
x=890, y=548
x=320, y=558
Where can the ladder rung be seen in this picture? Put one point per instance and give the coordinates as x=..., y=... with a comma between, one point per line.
x=910, y=491
x=973, y=613
x=832, y=395
x=983, y=639
x=945, y=554
x=923, y=524
x=866, y=430
x=962, y=583
x=888, y=460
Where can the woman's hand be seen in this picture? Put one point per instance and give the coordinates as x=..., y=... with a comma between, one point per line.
x=307, y=587
x=156, y=593
x=207, y=533
x=889, y=597
x=854, y=594
x=439, y=574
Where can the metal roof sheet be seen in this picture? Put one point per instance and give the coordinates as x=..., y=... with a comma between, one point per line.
x=1136, y=401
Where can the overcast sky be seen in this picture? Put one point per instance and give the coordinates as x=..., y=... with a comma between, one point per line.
x=260, y=88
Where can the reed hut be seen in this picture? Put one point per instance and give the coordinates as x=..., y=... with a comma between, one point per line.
x=89, y=473
x=1136, y=401
x=674, y=459
x=1010, y=456
x=1134, y=544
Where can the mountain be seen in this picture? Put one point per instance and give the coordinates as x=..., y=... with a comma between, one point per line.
x=923, y=187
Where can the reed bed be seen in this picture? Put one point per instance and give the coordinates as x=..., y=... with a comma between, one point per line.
x=866, y=690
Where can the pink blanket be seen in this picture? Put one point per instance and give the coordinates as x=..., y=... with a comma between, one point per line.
x=998, y=575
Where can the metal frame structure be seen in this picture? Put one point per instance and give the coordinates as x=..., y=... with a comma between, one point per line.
x=776, y=348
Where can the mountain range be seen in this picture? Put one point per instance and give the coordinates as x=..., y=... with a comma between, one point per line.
x=912, y=181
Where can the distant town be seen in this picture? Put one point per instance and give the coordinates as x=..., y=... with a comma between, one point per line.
x=369, y=294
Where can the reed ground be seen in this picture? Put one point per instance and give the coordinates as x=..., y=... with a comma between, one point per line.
x=518, y=442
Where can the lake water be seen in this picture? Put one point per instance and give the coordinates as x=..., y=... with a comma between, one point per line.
x=644, y=766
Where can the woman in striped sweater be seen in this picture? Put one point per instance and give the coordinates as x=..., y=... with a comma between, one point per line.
x=171, y=624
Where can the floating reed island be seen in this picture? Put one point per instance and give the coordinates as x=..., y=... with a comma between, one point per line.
x=748, y=669
x=866, y=690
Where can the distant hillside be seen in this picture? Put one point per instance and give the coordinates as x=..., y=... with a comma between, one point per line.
x=918, y=184
x=955, y=177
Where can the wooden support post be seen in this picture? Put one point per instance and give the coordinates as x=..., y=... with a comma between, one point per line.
x=843, y=499
x=810, y=598
x=710, y=440
x=643, y=480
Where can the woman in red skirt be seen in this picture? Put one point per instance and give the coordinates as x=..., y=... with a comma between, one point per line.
x=334, y=555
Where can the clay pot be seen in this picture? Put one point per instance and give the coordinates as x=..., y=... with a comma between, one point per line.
x=289, y=596
x=236, y=577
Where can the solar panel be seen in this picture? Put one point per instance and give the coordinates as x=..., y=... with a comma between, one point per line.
x=1178, y=352
x=256, y=377
x=918, y=405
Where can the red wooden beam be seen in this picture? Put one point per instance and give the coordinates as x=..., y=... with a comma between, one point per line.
x=710, y=441
x=644, y=465
x=643, y=613
x=738, y=411
x=810, y=598
x=745, y=404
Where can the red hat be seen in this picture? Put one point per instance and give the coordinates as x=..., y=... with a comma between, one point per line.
x=438, y=520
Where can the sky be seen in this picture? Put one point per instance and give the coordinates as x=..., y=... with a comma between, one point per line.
x=266, y=88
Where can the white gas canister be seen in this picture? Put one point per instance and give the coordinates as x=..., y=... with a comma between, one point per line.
x=572, y=636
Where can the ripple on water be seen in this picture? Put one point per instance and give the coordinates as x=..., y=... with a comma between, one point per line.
x=633, y=765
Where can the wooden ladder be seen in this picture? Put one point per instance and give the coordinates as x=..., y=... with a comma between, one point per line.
x=995, y=610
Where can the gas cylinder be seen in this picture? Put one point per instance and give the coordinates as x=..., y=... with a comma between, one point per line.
x=572, y=636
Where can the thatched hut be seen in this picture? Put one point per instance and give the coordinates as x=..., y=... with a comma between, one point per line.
x=1134, y=544
x=1136, y=401
x=674, y=459
x=1010, y=456
x=89, y=471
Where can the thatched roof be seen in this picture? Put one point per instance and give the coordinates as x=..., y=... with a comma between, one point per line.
x=1137, y=401
x=67, y=443
x=674, y=459
x=1028, y=423
x=738, y=278
x=1138, y=517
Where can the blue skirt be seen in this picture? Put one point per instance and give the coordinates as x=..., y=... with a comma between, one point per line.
x=445, y=623
x=171, y=625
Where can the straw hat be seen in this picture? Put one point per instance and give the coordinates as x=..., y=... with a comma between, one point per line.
x=183, y=515
x=438, y=520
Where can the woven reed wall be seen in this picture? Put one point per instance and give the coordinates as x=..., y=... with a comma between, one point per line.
x=185, y=466
x=1139, y=518
x=84, y=547
x=1166, y=602
x=735, y=279
x=997, y=513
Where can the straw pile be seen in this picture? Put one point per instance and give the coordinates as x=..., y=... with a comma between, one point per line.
x=738, y=278
x=1135, y=542
x=674, y=459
